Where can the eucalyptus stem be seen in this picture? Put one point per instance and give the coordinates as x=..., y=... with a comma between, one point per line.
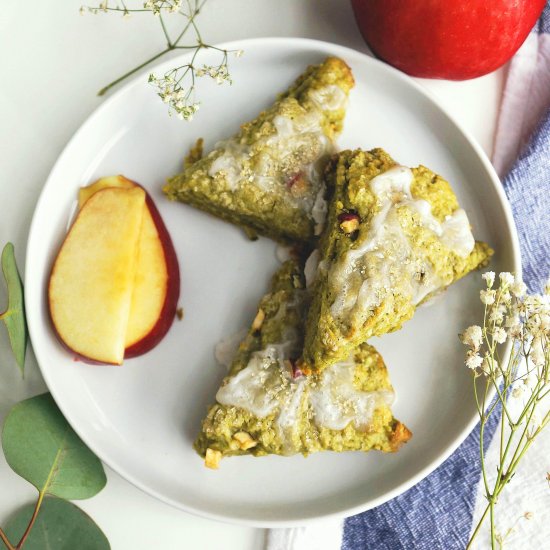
x=31, y=522
x=6, y=541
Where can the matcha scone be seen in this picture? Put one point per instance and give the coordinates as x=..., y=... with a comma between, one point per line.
x=266, y=405
x=394, y=236
x=268, y=177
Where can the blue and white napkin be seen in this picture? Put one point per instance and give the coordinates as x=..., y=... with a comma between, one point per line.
x=438, y=513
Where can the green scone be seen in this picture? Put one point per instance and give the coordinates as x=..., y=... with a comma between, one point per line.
x=394, y=237
x=266, y=405
x=268, y=177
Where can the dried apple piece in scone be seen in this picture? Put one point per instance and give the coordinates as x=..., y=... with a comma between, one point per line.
x=266, y=405
x=394, y=237
x=267, y=178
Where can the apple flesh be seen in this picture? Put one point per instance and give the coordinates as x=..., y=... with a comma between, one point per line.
x=157, y=279
x=452, y=39
x=92, y=279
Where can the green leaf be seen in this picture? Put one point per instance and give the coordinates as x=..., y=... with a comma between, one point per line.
x=14, y=316
x=60, y=525
x=41, y=447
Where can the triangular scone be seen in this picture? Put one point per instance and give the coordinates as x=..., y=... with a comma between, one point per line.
x=268, y=177
x=266, y=405
x=394, y=237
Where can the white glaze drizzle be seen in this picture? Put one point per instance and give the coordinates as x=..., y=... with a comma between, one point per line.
x=384, y=259
x=336, y=401
x=266, y=386
x=302, y=135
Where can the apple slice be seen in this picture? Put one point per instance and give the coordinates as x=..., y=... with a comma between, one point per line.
x=157, y=282
x=92, y=280
x=103, y=183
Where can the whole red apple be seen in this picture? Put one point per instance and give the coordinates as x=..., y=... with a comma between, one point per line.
x=452, y=39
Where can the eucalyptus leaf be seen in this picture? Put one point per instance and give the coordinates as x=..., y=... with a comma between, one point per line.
x=14, y=316
x=60, y=525
x=41, y=447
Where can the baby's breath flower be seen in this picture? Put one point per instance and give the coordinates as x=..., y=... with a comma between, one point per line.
x=487, y=297
x=505, y=297
x=171, y=93
x=537, y=322
x=523, y=375
x=177, y=87
x=537, y=352
x=518, y=392
x=506, y=279
x=220, y=73
x=499, y=335
x=473, y=360
x=515, y=331
x=472, y=337
x=512, y=319
x=496, y=316
x=489, y=365
x=519, y=288
x=157, y=6
x=186, y=112
x=489, y=278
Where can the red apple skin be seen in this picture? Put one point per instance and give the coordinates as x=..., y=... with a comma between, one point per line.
x=451, y=39
x=170, y=306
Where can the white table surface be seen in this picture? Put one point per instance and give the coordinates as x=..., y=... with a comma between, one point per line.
x=52, y=64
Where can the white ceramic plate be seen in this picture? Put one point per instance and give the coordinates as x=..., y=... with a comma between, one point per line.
x=141, y=419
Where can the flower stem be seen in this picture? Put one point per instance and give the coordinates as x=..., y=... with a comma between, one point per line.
x=104, y=90
x=5, y=540
x=492, y=509
x=168, y=41
x=478, y=527
x=192, y=15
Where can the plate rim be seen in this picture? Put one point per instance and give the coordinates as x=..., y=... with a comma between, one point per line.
x=298, y=43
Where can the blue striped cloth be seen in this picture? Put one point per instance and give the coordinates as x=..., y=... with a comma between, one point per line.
x=437, y=512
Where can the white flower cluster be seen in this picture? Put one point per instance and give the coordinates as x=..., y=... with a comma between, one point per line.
x=154, y=6
x=510, y=314
x=177, y=98
x=220, y=73
x=157, y=6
